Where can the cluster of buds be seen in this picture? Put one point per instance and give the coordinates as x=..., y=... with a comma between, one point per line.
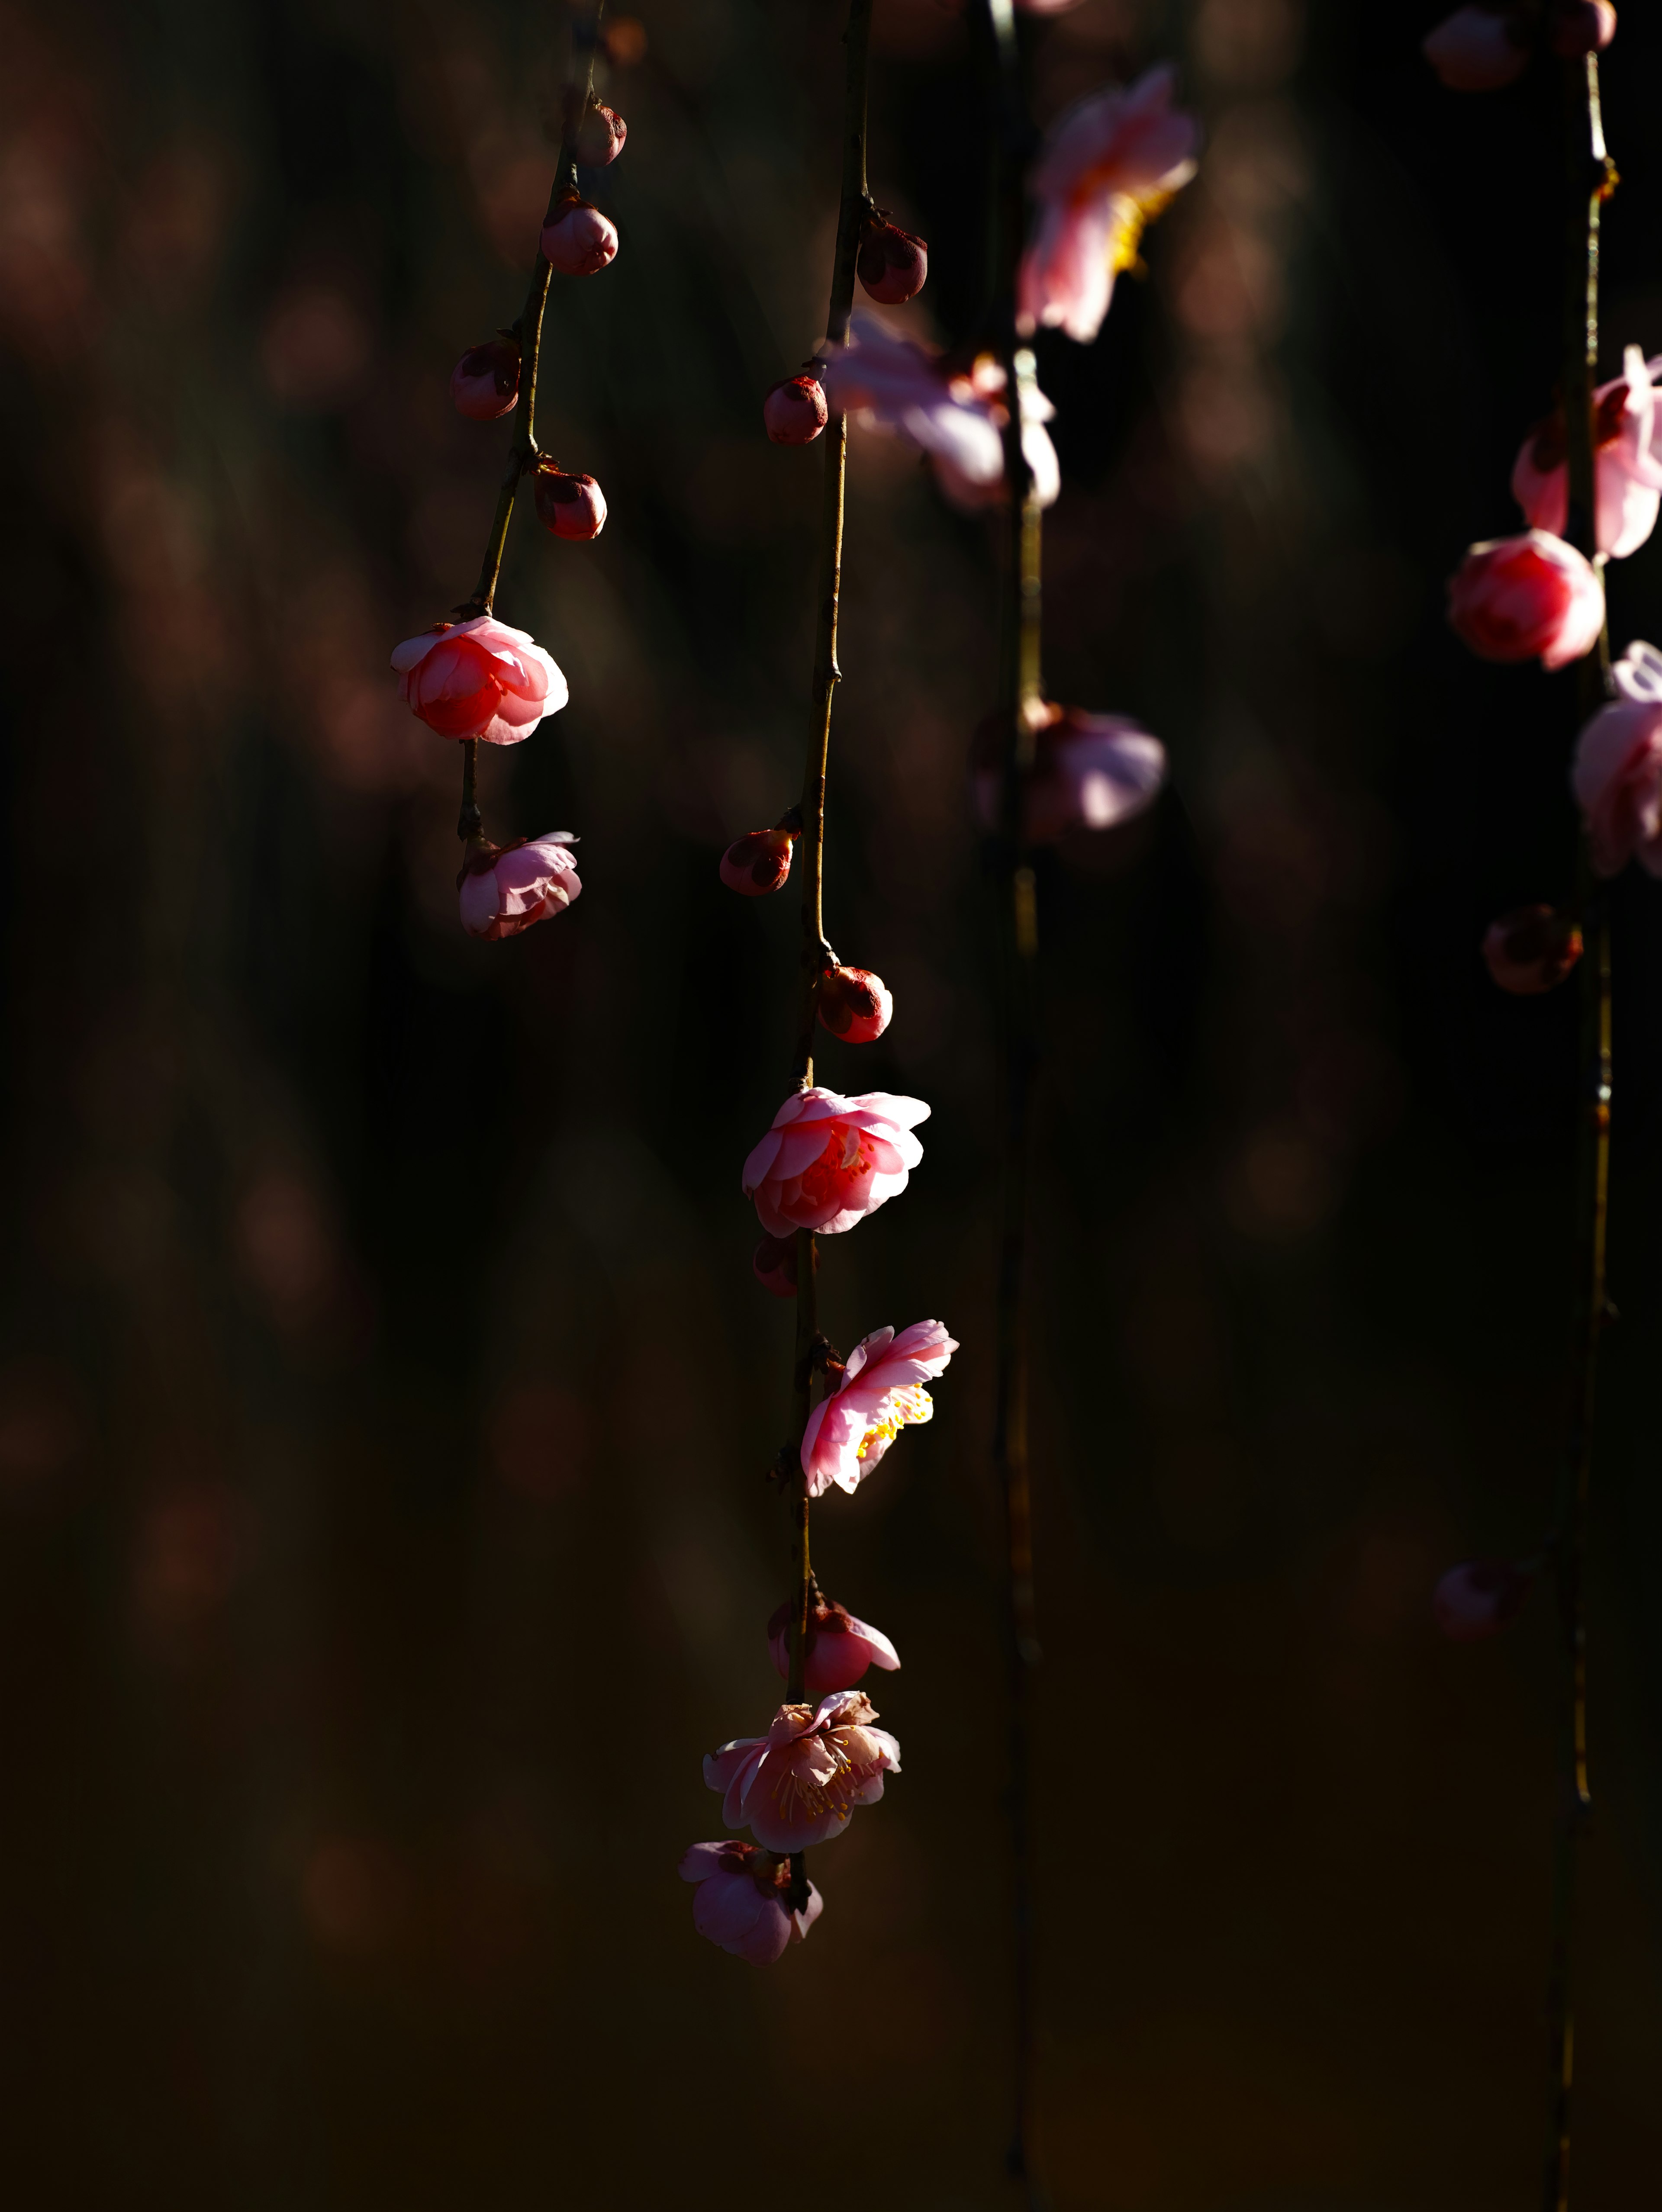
x=891, y=265
x=1481, y=47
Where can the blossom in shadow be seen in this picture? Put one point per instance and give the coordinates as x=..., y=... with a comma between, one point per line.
x=1629, y=473
x=1089, y=771
x=506, y=888
x=739, y=1903
x=1616, y=775
x=797, y=1785
x=839, y=1648
x=1531, y=949
x=1479, y=1597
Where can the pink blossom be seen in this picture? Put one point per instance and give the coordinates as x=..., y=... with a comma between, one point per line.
x=1089, y=771
x=1530, y=950
x=987, y=380
x=759, y=862
x=577, y=240
x=797, y=1785
x=1478, y=49
x=570, y=506
x=505, y=888
x=828, y=1160
x=739, y=1903
x=773, y=1263
x=1479, y=1598
x=1107, y=165
x=1575, y=27
x=855, y=1004
x=486, y=382
x=795, y=412
x=600, y=135
x=891, y=265
x=1618, y=772
x=838, y=1650
x=1528, y=597
x=478, y=679
x=880, y=1392
x=1629, y=472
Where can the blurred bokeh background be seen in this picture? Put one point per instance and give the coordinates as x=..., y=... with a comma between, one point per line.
x=384, y=1398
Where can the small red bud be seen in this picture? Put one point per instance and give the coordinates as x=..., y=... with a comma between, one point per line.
x=795, y=412
x=1580, y=26
x=600, y=136
x=577, y=240
x=1479, y=1598
x=571, y=507
x=759, y=862
x=773, y=1263
x=1530, y=950
x=486, y=382
x=892, y=263
x=853, y=1004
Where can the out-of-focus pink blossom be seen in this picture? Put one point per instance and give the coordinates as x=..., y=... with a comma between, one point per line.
x=570, y=506
x=577, y=240
x=600, y=136
x=892, y=263
x=505, y=888
x=486, y=382
x=740, y=1901
x=880, y=1392
x=759, y=862
x=795, y=412
x=1618, y=772
x=838, y=1650
x=1044, y=7
x=1480, y=1597
x=1629, y=472
x=1527, y=598
x=855, y=1004
x=478, y=679
x=1107, y=165
x=797, y=1785
x=829, y=1161
x=773, y=1263
x=1575, y=27
x=1089, y=771
x=1478, y=49
x=887, y=383
x=1530, y=950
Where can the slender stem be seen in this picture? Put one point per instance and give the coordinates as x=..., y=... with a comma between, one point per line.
x=1590, y=177
x=816, y=954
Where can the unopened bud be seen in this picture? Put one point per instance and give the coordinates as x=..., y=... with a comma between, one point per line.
x=577, y=240
x=891, y=263
x=773, y=1263
x=1478, y=1598
x=486, y=382
x=1579, y=26
x=759, y=862
x=600, y=136
x=571, y=507
x=853, y=1004
x=1531, y=949
x=794, y=412
x=837, y=1650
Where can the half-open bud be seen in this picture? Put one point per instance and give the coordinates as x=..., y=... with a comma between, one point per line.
x=773, y=1263
x=1478, y=1598
x=794, y=412
x=577, y=240
x=838, y=1649
x=1575, y=27
x=759, y=862
x=892, y=263
x=486, y=382
x=1531, y=949
x=853, y=1004
x=571, y=507
x=600, y=135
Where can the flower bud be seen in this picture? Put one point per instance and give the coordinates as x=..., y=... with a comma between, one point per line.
x=794, y=412
x=600, y=136
x=853, y=1004
x=571, y=507
x=486, y=382
x=1525, y=599
x=838, y=1649
x=1531, y=949
x=577, y=240
x=759, y=862
x=1478, y=1598
x=1478, y=49
x=1579, y=26
x=892, y=263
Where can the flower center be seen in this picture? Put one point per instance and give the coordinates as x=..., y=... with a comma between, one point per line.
x=900, y=1409
x=842, y=1161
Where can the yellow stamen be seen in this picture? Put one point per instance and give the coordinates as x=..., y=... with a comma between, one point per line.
x=900, y=1409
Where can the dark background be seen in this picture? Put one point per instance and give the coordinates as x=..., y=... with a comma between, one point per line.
x=384, y=1398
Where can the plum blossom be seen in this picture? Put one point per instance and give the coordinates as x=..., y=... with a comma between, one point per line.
x=478, y=679
x=794, y=412
x=892, y=263
x=505, y=888
x=568, y=506
x=838, y=1650
x=1478, y=1598
x=1528, y=597
x=759, y=862
x=1616, y=775
x=881, y=1392
x=1629, y=478
x=797, y=1785
x=855, y=1004
x=1107, y=165
x=1531, y=949
x=600, y=134
x=740, y=1901
x=773, y=1263
x=1478, y=49
x=829, y=1161
x=486, y=382
x=1089, y=771
x=1575, y=27
x=577, y=240
x=887, y=383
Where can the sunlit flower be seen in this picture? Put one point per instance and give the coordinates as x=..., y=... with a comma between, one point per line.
x=600, y=136
x=1617, y=772
x=505, y=888
x=739, y=1903
x=1478, y=49
x=838, y=1650
x=1629, y=475
x=855, y=1004
x=794, y=412
x=478, y=679
x=486, y=382
x=828, y=1160
x=879, y=1393
x=1526, y=599
x=1479, y=1598
x=1530, y=950
x=797, y=1785
x=759, y=862
x=1107, y=165
x=1090, y=772
x=577, y=240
